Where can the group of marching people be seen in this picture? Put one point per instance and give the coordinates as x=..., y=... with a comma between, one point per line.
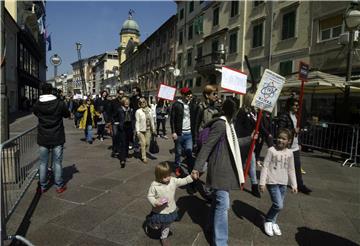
x=215, y=137
x=130, y=122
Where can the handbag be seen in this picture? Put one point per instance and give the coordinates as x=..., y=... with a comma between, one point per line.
x=154, y=147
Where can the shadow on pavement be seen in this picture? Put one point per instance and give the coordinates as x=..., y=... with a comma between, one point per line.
x=244, y=210
x=26, y=222
x=68, y=173
x=198, y=210
x=14, y=116
x=307, y=236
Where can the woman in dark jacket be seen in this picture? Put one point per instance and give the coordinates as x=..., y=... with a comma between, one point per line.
x=122, y=118
x=225, y=172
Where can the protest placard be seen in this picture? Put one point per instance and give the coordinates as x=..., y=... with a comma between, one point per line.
x=268, y=91
x=233, y=80
x=166, y=92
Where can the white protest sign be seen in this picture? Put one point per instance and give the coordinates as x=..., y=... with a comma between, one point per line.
x=268, y=91
x=233, y=80
x=77, y=96
x=166, y=92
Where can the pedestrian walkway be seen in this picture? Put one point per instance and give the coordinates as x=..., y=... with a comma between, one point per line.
x=107, y=205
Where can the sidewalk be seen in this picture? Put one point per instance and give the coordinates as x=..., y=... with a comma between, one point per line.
x=107, y=205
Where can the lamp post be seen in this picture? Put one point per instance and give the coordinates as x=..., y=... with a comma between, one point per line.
x=352, y=22
x=83, y=86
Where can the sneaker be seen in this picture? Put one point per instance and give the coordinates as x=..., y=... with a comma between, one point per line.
x=178, y=172
x=303, y=171
x=101, y=139
x=276, y=229
x=165, y=137
x=122, y=164
x=268, y=228
x=61, y=189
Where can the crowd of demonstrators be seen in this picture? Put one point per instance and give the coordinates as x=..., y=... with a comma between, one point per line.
x=144, y=127
x=50, y=112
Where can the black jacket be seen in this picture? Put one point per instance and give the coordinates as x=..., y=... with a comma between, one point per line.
x=50, y=112
x=104, y=106
x=177, y=115
x=285, y=121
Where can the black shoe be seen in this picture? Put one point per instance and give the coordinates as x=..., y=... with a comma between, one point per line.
x=255, y=190
x=305, y=190
x=90, y=142
x=122, y=164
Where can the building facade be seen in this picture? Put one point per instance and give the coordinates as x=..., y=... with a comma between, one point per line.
x=25, y=63
x=153, y=62
x=106, y=67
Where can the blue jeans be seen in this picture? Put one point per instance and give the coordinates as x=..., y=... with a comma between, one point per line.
x=277, y=194
x=89, y=133
x=57, y=156
x=219, y=216
x=252, y=170
x=183, y=142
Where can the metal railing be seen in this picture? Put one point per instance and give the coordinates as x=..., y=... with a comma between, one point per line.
x=334, y=138
x=18, y=166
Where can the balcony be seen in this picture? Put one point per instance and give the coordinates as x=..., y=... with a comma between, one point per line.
x=209, y=62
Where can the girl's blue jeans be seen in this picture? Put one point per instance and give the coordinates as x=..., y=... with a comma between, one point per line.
x=277, y=194
x=89, y=133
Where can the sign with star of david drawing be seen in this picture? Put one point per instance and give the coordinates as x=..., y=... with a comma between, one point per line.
x=268, y=91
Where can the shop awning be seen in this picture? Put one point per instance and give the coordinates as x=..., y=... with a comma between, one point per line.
x=319, y=83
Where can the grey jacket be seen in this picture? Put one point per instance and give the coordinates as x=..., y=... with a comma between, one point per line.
x=224, y=162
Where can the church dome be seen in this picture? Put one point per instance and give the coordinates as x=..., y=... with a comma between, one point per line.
x=130, y=26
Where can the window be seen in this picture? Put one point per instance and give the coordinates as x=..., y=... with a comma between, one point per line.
x=256, y=70
x=216, y=17
x=179, y=60
x=288, y=25
x=330, y=28
x=189, y=83
x=286, y=68
x=214, y=45
x=198, y=81
x=233, y=43
x=191, y=6
x=198, y=24
x=257, y=35
x=257, y=3
x=181, y=14
x=234, y=8
x=180, y=38
x=189, y=58
x=199, y=51
x=190, y=31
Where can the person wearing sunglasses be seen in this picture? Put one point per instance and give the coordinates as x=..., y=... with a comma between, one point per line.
x=288, y=120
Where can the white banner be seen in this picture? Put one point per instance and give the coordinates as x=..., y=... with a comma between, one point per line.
x=166, y=92
x=268, y=91
x=233, y=80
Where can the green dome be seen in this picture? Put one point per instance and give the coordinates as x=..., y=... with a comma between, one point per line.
x=130, y=26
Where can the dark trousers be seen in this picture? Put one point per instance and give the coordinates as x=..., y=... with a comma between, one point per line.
x=297, y=164
x=163, y=123
x=101, y=130
x=126, y=136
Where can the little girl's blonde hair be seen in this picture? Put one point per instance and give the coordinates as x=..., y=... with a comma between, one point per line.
x=162, y=170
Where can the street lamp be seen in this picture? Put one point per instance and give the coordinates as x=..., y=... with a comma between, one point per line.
x=352, y=22
x=83, y=86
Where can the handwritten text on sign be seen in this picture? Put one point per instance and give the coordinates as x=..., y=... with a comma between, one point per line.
x=268, y=91
x=166, y=92
x=234, y=81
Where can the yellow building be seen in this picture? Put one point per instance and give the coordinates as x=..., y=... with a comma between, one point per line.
x=129, y=38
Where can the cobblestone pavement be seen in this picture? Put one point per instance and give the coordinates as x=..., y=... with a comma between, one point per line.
x=106, y=205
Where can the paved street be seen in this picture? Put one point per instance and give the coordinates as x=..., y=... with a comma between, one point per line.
x=107, y=205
